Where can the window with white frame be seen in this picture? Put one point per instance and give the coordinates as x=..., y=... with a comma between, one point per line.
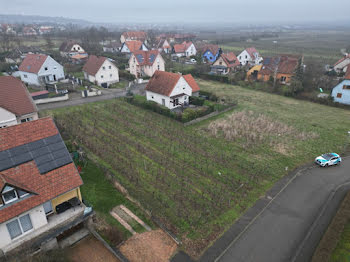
x=101, y=76
x=110, y=67
x=103, y=67
x=9, y=195
x=19, y=226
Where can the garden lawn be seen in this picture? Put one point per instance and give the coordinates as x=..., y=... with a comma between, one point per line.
x=99, y=192
x=342, y=252
x=196, y=181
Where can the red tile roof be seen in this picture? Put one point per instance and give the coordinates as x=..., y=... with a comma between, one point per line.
x=181, y=48
x=32, y=63
x=134, y=45
x=44, y=92
x=214, y=49
x=145, y=57
x=14, y=96
x=163, y=82
x=17, y=135
x=45, y=187
x=342, y=59
x=288, y=65
x=193, y=84
x=27, y=176
x=135, y=35
x=230, y=59
x=93, y=64
x=251, y=51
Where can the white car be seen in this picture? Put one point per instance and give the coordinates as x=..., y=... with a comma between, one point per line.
x=328, y=159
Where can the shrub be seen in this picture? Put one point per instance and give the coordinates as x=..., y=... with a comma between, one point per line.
x=126, y=75
x=198, y=101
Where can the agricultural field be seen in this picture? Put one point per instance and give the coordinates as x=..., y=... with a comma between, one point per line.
x=321, y=46
x=198, y=180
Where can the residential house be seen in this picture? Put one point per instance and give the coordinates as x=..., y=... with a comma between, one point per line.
x=29, y=31
x=145, y=63
x=250, y=56
x=72, y=49
x=164, y=46
x=169, y=89
x=225, y=63
x=210, y=52
x=252, y=73
x=193, y=84
x=112, y=47
x=186, y=49
x=38, y=69
x=133, y=35
x=45, y=29
x=281, y=68
x=132, y=46
x=40, y=195
x=341, y=92
x=342, y=64
x=18, y=54
x=16, y=104
x=101, y=71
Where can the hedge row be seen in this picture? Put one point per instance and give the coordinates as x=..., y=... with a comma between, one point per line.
x=188, y=114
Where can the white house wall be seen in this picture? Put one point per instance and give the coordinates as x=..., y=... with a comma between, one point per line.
x=191, y=51
x=345, y=99
x=7, y=119
x=38, y=218
x=29, y=78
x=110, y=76
x=53, y=68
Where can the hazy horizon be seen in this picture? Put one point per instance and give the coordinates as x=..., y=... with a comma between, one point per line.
x=185, y=12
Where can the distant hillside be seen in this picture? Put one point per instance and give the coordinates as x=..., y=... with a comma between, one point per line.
x=35, y=19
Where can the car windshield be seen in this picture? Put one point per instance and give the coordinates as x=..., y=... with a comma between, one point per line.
x=327, y=156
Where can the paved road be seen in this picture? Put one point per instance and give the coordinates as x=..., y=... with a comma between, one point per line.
x=76, y=99
x=276, y=234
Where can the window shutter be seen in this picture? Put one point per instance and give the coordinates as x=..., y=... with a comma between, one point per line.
x=14, y=229
x=26, y=223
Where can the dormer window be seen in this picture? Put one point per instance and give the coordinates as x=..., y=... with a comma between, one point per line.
x=9, y=195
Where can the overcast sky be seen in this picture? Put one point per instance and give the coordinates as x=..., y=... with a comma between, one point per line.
x=184, y=11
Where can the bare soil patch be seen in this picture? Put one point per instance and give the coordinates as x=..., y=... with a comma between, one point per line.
x=153, y=246
x=91, y=250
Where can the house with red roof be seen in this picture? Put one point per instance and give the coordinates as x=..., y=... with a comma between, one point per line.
x=282, y=68
x=342, y=64
x=133, y=35
x=132, y=46
x=164, y=46
x=171, y=90
x=210, y=52
x=341, y=92
x=101, y=71
x=145, y=63
x=39, y=69
x=250, y=56
x=40, y=195
x=73, y=50
x=186, y=49
x=16, y=104
x=225, y=63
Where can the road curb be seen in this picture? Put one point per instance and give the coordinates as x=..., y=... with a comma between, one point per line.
x=304, y=252
x=240, y=226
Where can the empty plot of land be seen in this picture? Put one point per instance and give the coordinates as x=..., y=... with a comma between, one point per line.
x=91, y=250
x=153, y=246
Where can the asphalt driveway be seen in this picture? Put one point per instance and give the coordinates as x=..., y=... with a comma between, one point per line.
x=289, y=227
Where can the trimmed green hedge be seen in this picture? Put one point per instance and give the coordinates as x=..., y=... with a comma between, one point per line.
x=187, y=115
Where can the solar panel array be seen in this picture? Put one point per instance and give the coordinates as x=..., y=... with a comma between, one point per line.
x=140, y=58
x=151, y=58
x=48, y=153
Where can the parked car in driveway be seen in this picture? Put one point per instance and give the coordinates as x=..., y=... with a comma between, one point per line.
x=328, y=159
